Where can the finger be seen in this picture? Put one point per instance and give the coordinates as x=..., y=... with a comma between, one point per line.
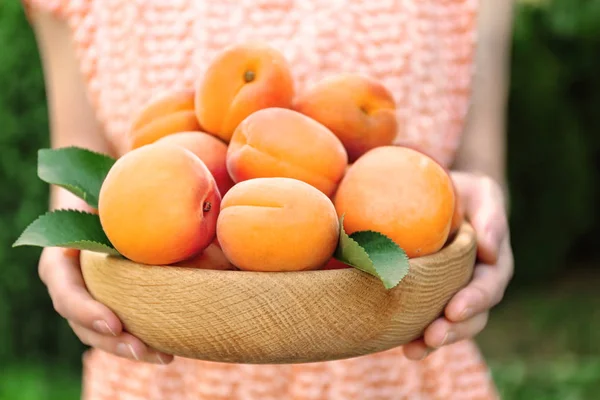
x=443, y=332
x=484, y=207
x=487, y=215
x=485, y=290
x=71, y=298
x=125, y=345
x=416, y=350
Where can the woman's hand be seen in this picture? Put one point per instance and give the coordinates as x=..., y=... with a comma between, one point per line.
x=467, y=312
x=93, y=323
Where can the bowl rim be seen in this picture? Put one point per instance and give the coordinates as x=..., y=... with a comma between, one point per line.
x=459, y=243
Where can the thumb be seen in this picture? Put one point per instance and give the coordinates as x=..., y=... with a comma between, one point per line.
x=490, y=231
x=484, y=209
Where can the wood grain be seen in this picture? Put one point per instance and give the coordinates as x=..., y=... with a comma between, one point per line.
x=277, y=317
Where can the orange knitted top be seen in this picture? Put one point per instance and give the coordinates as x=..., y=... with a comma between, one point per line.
x=422, y=50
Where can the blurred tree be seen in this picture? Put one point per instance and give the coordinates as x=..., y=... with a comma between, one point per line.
x=553, y=144
x=29, y=327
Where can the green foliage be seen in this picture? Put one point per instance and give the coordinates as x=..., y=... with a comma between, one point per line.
x=544, y=346
x=553, y=139
x=39, y=382
x=67, y=228
x=78, y=170
x=82, y=172
x=373, y=253
x=29, y=327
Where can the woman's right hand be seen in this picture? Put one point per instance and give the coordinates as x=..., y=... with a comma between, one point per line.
x=93, y=323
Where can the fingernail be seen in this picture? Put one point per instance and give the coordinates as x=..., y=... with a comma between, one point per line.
x=126, y=350
x=160, y=359
x=467, y=313
x=449, y=338
x=103, y=328
x=425, y=354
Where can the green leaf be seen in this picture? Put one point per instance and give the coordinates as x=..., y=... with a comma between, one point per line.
x=67, y=228
x=373, y=253
x=78, y=170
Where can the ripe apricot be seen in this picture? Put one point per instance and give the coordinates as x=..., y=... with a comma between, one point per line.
x=242, y=79
x=401, y=193
x=277, y=224
x=159, y=204
x=358, y=109
x=458, y=215
x=167, y=113
x=278, y=142
x=211, y=257
x=210, y=150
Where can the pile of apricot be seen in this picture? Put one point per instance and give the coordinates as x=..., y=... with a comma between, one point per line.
x=244, y=172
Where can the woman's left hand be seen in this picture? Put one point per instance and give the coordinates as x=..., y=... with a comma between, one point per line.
x=467, y=312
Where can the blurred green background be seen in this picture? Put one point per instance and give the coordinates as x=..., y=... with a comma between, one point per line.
x=540, y=340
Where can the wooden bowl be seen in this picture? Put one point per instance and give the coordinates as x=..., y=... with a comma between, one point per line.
x=277, y=317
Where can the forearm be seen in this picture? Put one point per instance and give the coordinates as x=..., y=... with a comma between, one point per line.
x=72, y=118
x=483, y=149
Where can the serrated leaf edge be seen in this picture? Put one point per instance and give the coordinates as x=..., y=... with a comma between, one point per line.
x=16, y=242
x=368, y=256
x=402, y=252
x=77, y=190
x=388, y=285
x=82, y=149
x=57, y=211
x=110, y=250
x=341, y=246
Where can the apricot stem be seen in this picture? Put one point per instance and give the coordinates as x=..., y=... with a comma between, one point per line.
x=206, y=206
x=249, y=76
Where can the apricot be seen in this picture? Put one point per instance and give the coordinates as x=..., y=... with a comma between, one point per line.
x=242, y=79
x=278, y=142
x=358, y=109
x=159, y=204
x=401, y=193
x=211, y=257
x=210, y=150
x=458, y=216
x=277, y=224
x=167, y=113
